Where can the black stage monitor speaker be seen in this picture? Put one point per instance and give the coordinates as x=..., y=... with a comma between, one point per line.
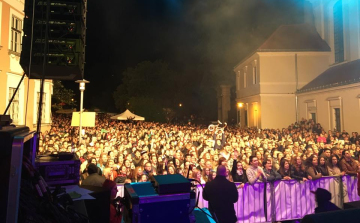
x=143, y=204
x=171, y=184
x=348, y=216
x=59, y=169
x=354, y=204
x=15, y=143
x=56, y=30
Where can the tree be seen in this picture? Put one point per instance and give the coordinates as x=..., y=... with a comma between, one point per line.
x=169, y=114
x=148, y=88
x=62, y=97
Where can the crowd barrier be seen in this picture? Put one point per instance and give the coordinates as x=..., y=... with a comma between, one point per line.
x=285, y=199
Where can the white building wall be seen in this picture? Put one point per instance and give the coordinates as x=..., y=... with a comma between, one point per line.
x=353, y=29
x=347, y=98
x=16, y=4
x=278, y=110
x=324, y=23
x=279, y=70
x=0, y=23
x=246, y=69
x=279, y=74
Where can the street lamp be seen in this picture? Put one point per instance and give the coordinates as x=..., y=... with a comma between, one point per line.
x=82, y=89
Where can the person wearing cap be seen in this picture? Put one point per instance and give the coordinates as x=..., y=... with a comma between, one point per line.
x=221, y=194
x=322, y=198
x=94, y=179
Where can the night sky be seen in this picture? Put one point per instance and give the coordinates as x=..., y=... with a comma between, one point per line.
x=201, y=39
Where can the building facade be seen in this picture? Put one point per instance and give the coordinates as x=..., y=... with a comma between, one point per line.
x=333, y=98
x=24, y=108
x=305, y=71
x=267, y=80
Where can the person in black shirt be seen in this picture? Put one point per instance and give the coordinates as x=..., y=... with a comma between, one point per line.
x=285, y=169
x=237, y=172
x=323, y=166
x=322, y=198
x=221, y=194
x=271, y=174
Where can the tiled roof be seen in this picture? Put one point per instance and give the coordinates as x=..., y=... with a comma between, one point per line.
x=297, y=37
x=342, y=74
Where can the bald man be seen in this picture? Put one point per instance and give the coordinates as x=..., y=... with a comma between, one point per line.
x=221, y=194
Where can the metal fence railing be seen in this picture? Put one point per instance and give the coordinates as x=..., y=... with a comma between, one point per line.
x=285, y=199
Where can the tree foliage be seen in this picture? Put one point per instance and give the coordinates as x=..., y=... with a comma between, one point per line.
x=148, y=88
x=62, y=97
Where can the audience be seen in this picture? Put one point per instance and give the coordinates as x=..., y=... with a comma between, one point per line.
x=134, y=151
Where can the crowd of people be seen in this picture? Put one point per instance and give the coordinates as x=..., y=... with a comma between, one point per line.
x=134, y=151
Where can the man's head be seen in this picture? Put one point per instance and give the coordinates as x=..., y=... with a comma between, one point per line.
x=147, y=167
x=335, y=151
x=253, y=161
x=92, y=168
x=267, y=164
x=221, y=170
x=346, y=154
x=327, y=153
x=321, y=195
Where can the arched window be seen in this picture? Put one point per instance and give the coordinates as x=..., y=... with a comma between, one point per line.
x=338, y=32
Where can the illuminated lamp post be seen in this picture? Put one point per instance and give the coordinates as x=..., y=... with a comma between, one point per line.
x=82, y=89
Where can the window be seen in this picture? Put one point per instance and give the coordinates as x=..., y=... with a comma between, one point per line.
x=311, y=109
x=338, y=32
x=238, y=81
x=254, y=75
x=335, y=105
x=16, y=27
x=336, y=119
x=313, y=116
x=14, y=107
x=244, y=79
x=246, y=118
x=43, y=114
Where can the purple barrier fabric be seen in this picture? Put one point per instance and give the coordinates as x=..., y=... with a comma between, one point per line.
x=294, y=200
x=250, y=205
x=269, y=201
x=350, y=182
x=285, y=200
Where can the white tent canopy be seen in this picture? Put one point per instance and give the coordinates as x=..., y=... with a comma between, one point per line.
x=127, y=115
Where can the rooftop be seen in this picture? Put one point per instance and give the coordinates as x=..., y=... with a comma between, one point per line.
x=296, y=37
x=338, y=75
